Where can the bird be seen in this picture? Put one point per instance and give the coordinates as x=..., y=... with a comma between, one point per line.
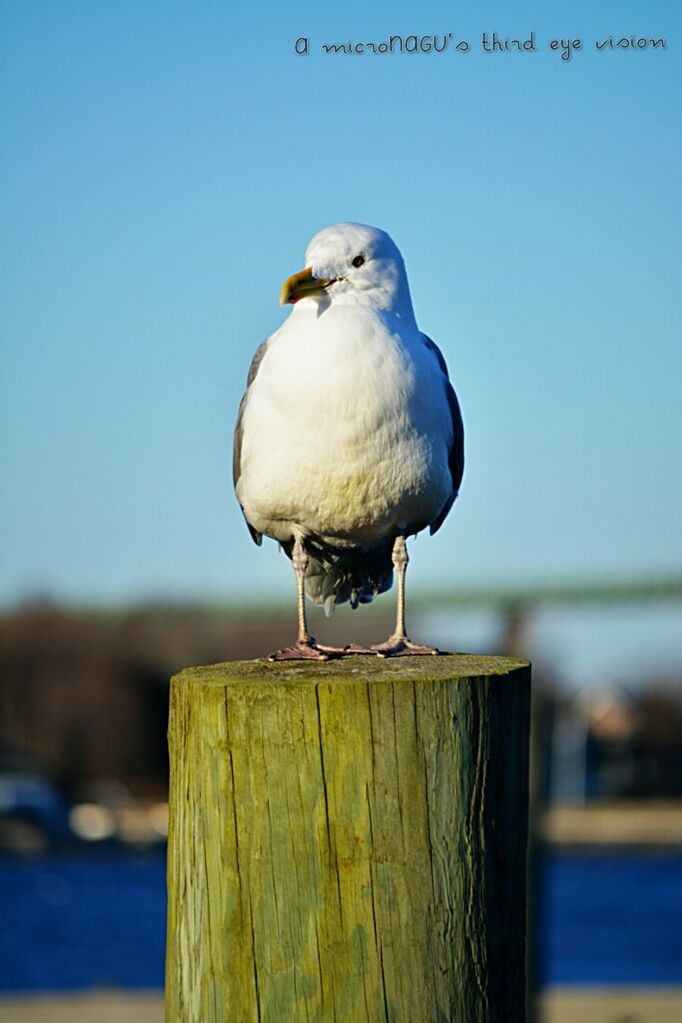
x=349, y=437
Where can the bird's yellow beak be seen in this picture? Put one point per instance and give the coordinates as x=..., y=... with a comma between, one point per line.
x=303, y=285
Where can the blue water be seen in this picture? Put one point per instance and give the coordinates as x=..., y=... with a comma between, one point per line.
x=71, y=923
x=612, y=919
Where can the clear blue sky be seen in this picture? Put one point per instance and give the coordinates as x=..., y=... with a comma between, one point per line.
x=164, y=165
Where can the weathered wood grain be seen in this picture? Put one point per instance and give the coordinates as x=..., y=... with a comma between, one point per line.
x=347, y=842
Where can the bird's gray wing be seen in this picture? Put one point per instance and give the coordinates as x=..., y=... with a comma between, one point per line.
x=456, y=453
x=239, y=432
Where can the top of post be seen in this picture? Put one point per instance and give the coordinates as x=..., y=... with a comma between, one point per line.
x=445, y=667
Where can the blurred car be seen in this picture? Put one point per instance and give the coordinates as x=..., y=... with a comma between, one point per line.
x=33, y=815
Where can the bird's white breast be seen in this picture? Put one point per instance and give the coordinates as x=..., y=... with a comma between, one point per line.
x=345, y=431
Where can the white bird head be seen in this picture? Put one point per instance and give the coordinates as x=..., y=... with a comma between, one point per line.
x=352, y=264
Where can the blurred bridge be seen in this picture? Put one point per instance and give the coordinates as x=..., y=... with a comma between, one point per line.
x=604, y=591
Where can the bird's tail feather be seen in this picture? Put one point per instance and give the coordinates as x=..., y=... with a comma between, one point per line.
x=334, y=576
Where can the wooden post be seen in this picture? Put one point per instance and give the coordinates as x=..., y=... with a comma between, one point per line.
x=348, y=841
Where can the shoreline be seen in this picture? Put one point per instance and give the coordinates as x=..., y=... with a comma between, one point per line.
x=557, y=1005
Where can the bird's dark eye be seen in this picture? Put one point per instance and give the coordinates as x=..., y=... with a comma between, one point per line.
x=358, y=261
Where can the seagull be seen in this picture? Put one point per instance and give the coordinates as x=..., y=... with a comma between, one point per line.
x=349, y=437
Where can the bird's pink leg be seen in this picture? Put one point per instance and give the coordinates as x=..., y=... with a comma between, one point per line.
x=305, y=648
x=398, y=645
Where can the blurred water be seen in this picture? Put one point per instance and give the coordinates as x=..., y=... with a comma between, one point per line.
x=70, y=923
x=611, y=918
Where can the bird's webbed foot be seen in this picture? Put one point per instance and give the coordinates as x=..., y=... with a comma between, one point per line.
x=401, y=646
x=306, y=650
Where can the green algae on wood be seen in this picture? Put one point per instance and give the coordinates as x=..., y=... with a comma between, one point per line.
x=347, y=841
